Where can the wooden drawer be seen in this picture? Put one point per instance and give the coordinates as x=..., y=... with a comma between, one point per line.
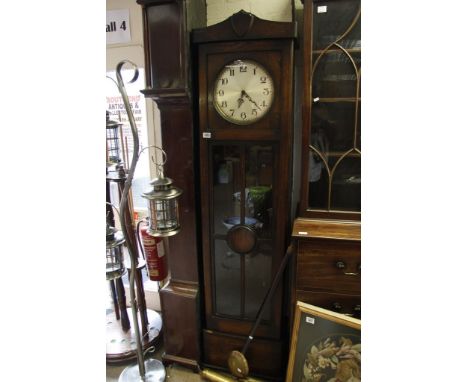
x=329, y=265
x=340, y=303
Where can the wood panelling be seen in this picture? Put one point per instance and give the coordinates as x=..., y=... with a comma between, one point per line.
x=167, y=25
x=328, y=265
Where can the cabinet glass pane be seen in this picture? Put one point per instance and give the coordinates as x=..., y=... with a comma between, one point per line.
x=227, y=183
x=329, y=26
x=318, y=182
x=227, y=280
x=346, y=184
x=333, y=129
x=335, y=75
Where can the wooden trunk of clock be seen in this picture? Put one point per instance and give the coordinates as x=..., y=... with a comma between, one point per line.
x=245, y=128
x=167, y=25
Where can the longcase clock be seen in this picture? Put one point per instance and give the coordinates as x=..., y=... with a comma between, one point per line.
x=245, y=100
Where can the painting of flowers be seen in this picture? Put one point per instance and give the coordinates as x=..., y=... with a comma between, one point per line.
x=326, y=347
x=335, y=359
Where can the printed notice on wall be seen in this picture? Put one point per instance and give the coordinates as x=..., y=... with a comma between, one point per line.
x=118, y=26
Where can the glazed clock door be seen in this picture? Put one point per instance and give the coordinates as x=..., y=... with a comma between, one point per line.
x=242, y=221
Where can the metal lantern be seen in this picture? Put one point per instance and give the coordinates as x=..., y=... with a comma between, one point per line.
x=115, y=266
x=112, y=137
x=163, y=205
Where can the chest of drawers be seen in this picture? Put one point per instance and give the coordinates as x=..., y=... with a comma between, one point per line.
x=328, y=264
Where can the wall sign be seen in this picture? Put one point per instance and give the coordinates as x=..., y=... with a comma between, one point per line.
x=118, y=26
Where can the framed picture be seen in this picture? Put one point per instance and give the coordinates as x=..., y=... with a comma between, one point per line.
x=325, y=346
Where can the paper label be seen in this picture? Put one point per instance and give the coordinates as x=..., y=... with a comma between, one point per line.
x=322, y=9
x=310, y=320
x=160, y=246
x=303, y=233
x=118, y=26
x=206, y=135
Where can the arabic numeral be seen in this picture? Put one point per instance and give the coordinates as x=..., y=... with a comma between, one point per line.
x=243, y=68
x=123, y=25
x=254, y=112
x=224, y=104
x=232, y=112
x=221, y=92
x=263, y=80
x=264, y=103
x=243, y=115
x=255, y=71
x=231, y=72
x=266, y=91
x=224, y=81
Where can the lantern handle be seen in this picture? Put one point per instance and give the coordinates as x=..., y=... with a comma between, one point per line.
x=159, y=166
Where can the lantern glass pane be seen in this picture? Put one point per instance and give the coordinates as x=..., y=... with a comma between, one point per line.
x=114, y=263
x=113, y=144
x=164, y=215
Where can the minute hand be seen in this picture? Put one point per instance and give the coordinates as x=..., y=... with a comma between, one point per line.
x=250, y=99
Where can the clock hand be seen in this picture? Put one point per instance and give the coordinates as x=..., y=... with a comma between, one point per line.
x=240, y=101
x=244, y=93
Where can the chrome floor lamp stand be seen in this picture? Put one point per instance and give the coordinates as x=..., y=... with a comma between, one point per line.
x=151, y=370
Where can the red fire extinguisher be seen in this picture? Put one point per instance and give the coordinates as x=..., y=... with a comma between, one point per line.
x=156, y=260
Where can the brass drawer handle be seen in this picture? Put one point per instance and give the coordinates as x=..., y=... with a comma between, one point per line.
x=342, y=265
x=337, y=307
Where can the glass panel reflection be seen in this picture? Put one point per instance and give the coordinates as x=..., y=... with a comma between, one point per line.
x=329, y=26
x=332, y=132
x=258, y=279
x=346, y=184
x=227, y=280
x=318, y=182
x=335, y=75
x=227, y=184
x=259, y=178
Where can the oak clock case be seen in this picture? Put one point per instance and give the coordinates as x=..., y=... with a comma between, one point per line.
x=245, y=127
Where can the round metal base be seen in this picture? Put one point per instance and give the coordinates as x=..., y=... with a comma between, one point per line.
x=154, y=372
x=120, y=345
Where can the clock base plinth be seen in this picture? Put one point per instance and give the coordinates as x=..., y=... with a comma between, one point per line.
x=265, y=357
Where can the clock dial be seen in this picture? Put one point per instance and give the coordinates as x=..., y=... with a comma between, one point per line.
x=243, y=92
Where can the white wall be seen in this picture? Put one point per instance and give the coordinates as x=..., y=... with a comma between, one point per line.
x=274, y=10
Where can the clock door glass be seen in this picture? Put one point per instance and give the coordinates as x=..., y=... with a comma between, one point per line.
x=243, y=92
x=242, y=183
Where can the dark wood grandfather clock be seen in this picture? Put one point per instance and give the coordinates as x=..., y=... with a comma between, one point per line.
x=245, y=99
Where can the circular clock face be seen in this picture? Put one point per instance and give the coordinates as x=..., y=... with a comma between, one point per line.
x=243, y=92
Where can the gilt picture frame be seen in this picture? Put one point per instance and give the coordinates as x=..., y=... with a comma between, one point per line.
x=325, y=346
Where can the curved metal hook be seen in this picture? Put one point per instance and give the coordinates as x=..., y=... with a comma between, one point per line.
x=159, y=166
x=118, y=71
x=164, y=155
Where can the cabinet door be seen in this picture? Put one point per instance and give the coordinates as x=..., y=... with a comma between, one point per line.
x=331, y=160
